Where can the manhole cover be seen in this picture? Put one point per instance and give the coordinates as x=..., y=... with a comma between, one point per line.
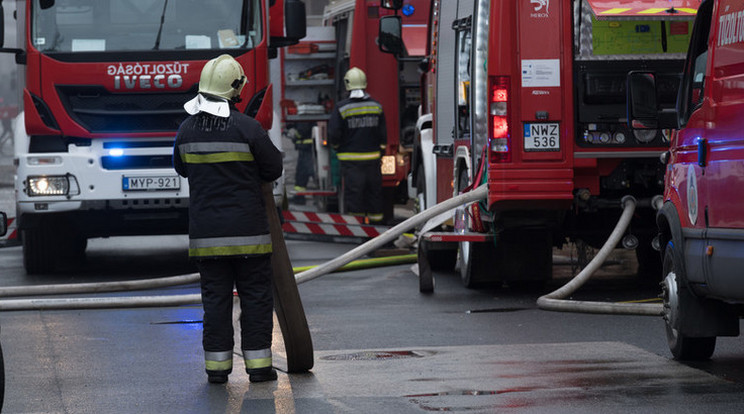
x=377, y=355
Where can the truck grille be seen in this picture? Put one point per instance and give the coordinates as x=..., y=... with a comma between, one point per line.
x=100, y=111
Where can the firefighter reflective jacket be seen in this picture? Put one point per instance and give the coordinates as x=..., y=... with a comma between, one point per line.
x=357, y=130
x=225, y=161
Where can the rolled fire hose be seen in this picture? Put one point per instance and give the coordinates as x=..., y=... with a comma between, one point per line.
x=175, y=300
x=555, y=301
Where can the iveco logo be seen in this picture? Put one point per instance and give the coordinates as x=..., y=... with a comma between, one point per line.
x=148, y=75
x=147, y=81
x=541, y=8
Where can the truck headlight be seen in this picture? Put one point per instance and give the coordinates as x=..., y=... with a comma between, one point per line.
x=50, y=185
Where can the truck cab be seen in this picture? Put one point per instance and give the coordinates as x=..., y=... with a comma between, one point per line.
x=701, y=223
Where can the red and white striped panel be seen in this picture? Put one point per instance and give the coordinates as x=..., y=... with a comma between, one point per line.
x=11, y=237
x=310, y=217
x=325, y=224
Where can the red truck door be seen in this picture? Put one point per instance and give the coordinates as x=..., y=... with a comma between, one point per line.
x=721, y=152
x=541, y=100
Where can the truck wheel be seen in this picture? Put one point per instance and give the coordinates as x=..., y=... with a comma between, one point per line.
x=40, y=251
x=426, y=277
x=681, y=346
x=420, y=190
x=478, y=263
x=51, y=248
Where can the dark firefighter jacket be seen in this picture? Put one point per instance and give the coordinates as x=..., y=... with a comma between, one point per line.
x=357, y=129
x=225, y=161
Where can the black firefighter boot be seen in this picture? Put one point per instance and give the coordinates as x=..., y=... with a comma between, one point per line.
x=217, y=377
x=261, y=374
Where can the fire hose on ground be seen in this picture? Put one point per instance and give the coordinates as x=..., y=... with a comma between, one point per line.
x=174, y=300
x=554, y=301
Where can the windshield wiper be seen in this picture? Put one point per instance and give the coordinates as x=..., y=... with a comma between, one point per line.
x=160, y=29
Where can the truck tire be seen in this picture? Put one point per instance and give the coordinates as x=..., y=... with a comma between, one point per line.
x=40, y=250
x=420, y=190
x=478, y=264
x=676, y=302
x=426, y=277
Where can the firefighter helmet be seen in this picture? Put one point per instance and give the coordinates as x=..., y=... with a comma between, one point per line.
x=222, y=77
x=355, y=79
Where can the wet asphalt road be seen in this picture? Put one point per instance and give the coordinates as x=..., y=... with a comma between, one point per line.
x=380, y=346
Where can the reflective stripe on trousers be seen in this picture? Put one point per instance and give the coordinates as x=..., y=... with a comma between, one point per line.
x=218, y=361
x=358, y=156
x=230, y=246
x=256, y=359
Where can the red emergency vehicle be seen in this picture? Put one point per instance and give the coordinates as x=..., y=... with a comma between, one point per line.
x=702, y=220
x=104, y=84
x=393, y=83
x=528, y=97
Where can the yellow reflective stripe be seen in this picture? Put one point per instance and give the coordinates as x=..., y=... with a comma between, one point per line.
x=362, y=110
x=358, y=156
x=615, y=11
x=218, y=365
x=375, y=217
x=652, y=10
x=230, y=250
x=258, y=363
x=216, y=157
x=306, y=141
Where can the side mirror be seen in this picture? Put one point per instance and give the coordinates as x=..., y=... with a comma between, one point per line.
x=642, y=106
x=295, y=20
x=390, y=35
x=3, y=223
x=424, y=64
x=391, y=4
x=45, y=4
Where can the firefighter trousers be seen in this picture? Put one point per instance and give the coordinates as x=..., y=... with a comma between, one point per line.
x=251, y=276
x=363, y=188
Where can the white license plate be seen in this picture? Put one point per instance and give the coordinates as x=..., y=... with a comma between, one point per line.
x=542, y=137
x=151, y=183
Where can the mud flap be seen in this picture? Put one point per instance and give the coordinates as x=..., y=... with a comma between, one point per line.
x=287, y=303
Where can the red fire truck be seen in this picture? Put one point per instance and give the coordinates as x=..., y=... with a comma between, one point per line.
x=528, y=97
x=702, y=221
x=394, y=83
x=104, y=83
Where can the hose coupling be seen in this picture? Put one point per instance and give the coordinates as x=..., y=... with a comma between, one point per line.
x=657, y=202
x=628, y=199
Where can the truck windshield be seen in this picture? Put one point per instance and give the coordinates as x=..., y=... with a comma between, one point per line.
x=139, y=25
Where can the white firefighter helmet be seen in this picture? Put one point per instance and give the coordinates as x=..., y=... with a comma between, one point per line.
x=355, y=79
x=222, y=77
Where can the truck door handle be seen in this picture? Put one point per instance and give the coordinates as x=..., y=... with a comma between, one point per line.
x=702, y=151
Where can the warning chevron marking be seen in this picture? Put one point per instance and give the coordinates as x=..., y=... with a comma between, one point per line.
x=11, y=237
x=327, y=224
x=308, y=216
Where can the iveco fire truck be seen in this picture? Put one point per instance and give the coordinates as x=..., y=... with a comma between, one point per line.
x=103, y=92
x=395, y=84
x=528, y=98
